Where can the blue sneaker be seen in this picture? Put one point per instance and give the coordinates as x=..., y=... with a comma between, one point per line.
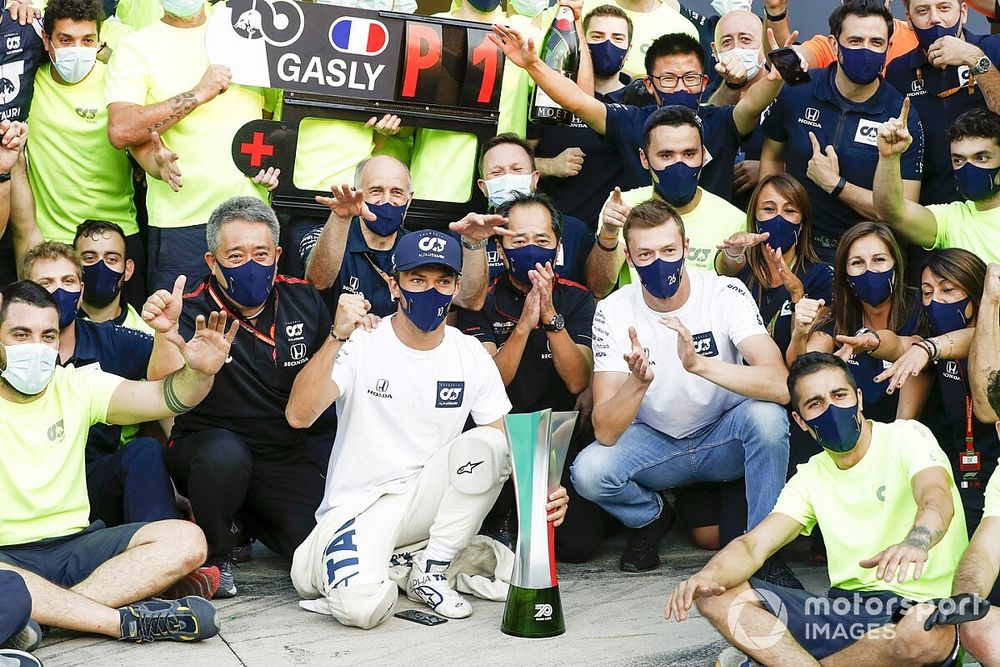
x=189, y=619
x=13, y=658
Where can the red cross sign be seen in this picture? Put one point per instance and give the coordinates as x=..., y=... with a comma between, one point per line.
x=257, y=149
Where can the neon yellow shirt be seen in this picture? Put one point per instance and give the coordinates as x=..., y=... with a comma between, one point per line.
x=712, y=221
x=74, y=172
x=992, y=507
x=870, y=506
x=139, y=13
x=646, y=27
x=443, y=163
x=328, y=151
x=960, y=225
x=156, y=63
x=43, y=486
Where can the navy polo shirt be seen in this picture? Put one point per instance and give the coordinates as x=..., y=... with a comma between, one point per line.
x=775, y=302
x=851, y=128
x=21, y=52
x=537, y=384
x=923, y=83
x=581, y=196
x=113, y=349
x=951, y=376
x=571, y=257
x=251, y=390
x=624, y=128
x=358, y=273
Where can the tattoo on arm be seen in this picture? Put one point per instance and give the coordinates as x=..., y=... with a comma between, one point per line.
x=921, y=537
x=180, y=106
x=173, y=403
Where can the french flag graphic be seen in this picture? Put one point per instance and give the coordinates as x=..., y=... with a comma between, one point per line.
x=359, y=36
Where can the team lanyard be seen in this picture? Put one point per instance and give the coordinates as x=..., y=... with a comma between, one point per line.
x=971, y=85
x=245, y=324
x=968, y=459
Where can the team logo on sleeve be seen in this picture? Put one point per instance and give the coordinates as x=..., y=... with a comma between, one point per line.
x=449, y=394
x=704, y=344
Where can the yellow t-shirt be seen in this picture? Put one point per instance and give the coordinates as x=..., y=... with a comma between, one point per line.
x=139, y=13
x=960, y=225
x=328, y=151
x=992, y=507
x=711, y=222
x=869, y=507
x=443, y=163
x=43, y=486
x=156, y=63
x=646, y=27
x=74, y=171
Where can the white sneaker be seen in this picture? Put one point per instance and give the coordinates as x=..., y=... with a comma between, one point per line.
x=429, y=585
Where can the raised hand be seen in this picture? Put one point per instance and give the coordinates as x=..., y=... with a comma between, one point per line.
x=616, y=211
x=683, y=596
x=776, y=263
x=893, y=135
x=165, y=159
x=387, y=126
x=347, y=203
x=268, y=178
x=568, y=163
x=518, y=49
x=531, y=312
x=22, y=12
x=207, y=350
x=729, y=67
x=774, y=74
x=638, y=363
x=352, y=312
x=542, y=279
x=807, y=312
x=738, y=243
x=685, y=343
x=823, y=168
x=476, y=227
x=162, y=309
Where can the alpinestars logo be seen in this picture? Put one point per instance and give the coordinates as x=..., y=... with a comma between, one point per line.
x=467, y=468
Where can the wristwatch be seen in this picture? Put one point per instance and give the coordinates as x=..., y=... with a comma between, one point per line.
x=478, y=245
x=558, y=324
x=982, y=66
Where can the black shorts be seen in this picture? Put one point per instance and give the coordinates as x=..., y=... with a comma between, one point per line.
x=68, y=560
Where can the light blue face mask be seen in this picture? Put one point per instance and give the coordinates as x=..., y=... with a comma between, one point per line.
x=184, y=9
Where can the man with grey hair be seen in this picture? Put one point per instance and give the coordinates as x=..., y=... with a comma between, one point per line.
x=235, y=454
x=352, y=253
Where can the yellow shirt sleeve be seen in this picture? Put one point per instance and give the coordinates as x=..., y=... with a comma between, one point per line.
x=128, y=77
x=794, y=499
x=96, y=388
x=946, y=216
x=992, y=507
x=922, y=448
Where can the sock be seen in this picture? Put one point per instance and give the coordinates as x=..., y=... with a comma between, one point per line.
x=438, y=553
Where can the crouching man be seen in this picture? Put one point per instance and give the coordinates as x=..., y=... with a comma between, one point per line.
x=884, y=496
x=402, y=472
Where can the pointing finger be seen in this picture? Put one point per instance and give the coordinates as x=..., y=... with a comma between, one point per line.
x=905, y=112
x=815, y=145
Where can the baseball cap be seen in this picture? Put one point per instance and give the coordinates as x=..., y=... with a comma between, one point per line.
x=427, y=247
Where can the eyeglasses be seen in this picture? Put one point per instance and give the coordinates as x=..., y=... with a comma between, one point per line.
x=669, y=81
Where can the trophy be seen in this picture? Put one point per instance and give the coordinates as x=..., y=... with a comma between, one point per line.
x=538, y=445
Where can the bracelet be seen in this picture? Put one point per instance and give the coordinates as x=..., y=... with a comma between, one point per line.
x=604, y=247
x=333, y=335
x=937, y=350
x=923, y=345
x=867, y=330
x=779, y=17
x=478, y=245
x=841, y=184
x=737, y=86
x=739, y=258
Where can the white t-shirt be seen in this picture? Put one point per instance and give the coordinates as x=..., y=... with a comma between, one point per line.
x=399, y=406
x=719, y=313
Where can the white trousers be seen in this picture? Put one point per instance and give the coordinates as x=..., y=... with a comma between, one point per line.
x=344, y=563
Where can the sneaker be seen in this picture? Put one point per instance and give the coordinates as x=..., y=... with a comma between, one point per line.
x=774, y=571
x=733, y=657
x=503, y=530
x=13, y=658
x=203, y=582
x=243, y=551
x=642, y=546
x=28, y=639
x=227, y=582
x=429, y=585
x=190, y=619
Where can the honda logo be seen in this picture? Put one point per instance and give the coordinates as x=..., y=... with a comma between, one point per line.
x=812, y=114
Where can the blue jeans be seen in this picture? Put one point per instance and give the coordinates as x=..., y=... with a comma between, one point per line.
x=749, y=441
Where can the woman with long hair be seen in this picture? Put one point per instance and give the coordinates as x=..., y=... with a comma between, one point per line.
x=869, y=297
x=774, y=257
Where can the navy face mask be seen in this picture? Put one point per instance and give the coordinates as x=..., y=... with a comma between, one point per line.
x=783, y=234
x=102, y=282
x=861, y=65
x=68, y=302
x=426, y=309
x=607, y=57
x=837, y=429
x=677, y=184
x=927, y=36
x=523, y=259
x=388, y=218
x=661, y=278
x=681, y=98
x=977, y=183
x=250, y=283
x=947, y=317
x=485, y=5
x=873, y=288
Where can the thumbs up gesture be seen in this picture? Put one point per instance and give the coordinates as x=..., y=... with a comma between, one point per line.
x=824, y=167
x=163, y=309
x=894, y=136
x=614, y=214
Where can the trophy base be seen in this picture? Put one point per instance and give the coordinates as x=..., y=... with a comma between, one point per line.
x=533, y=613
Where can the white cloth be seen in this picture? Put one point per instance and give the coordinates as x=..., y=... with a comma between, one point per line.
x=719, y=313
x=399, y=406
x=483, y=568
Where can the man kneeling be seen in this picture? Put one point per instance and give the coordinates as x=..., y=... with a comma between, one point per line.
x=885, y=499
x=402, y=472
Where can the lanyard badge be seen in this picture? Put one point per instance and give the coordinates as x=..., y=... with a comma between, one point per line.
x=968, y=459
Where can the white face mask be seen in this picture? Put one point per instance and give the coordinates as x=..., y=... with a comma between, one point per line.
x=503, y=188
x=529, y=8
x=723, y=7
x=29, y=367
x=185, y=9
x=750, y=59
x=75, y=62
